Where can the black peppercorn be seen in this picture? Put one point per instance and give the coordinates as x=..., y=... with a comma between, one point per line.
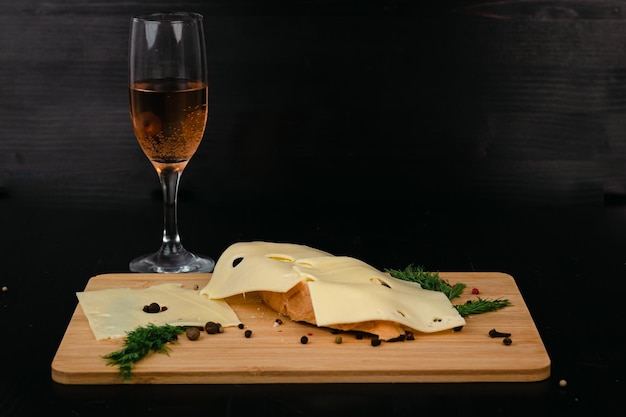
x=376, y=342
x=248, y=334
x=507, y=341
x=240, y=325
x=152, y=308
x=304, y=340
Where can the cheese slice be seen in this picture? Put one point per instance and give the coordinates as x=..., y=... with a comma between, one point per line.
x=343, y=289
x=259, y=266
x=112, y=313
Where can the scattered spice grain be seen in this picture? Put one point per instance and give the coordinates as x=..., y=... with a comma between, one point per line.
x=495, y=333
x=211, y=327
x=152, y=308
x=192, y=333
x=248, y=334
x=304, y=340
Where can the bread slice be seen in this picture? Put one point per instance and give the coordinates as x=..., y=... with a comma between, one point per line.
x=296, y=304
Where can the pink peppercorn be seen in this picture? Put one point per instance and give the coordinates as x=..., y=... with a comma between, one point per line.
x=475, y=291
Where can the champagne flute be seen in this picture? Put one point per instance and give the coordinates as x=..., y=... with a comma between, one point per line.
x=169, y=108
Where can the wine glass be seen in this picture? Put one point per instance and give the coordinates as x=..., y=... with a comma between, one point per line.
x=169, y=108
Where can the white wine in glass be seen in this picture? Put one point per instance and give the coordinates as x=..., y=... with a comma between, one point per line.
x=169, y=108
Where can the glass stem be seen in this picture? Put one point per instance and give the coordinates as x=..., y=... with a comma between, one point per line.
x=170, y=179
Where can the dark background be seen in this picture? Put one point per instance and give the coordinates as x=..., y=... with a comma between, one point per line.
x=329, y=102
x=451, y=134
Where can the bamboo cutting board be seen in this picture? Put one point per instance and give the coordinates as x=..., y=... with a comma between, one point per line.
x=274, y=353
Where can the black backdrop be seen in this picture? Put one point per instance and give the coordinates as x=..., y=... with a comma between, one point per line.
x=456, y=135
x=329, y=103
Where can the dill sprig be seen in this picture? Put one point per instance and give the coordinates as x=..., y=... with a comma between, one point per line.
x=480, y=306
x=428, y=280
x=139, y=342
x=432, y=281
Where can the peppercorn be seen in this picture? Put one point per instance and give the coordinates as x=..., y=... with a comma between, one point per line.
x=475, y=291
x=247, y=334
x=359, y=335
x=152, y=308
x=507, y=341
x=211, y=327
x=338, y=340
x=304, y=340
x=240, y=325
x=376, y=342
x=192, y=333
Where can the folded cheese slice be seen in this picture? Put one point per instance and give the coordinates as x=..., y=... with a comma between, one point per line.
x=342, y=289
x=112, y=313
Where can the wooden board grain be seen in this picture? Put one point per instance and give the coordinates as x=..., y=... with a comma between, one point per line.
x=274, y=354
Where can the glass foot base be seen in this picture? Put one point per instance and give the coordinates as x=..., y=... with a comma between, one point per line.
x=179, y=262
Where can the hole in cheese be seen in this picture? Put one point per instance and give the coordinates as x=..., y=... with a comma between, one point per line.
x=281, y=258
x=379, y=281
x=237, y=261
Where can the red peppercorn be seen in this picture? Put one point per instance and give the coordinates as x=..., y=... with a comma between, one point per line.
x=475, y=291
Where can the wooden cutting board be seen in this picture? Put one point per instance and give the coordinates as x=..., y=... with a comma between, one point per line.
x=274, y=353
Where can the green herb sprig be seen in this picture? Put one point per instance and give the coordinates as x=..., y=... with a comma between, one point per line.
x=480, y=306
x=139, y=342
x=428, y=280
x=432, y=281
